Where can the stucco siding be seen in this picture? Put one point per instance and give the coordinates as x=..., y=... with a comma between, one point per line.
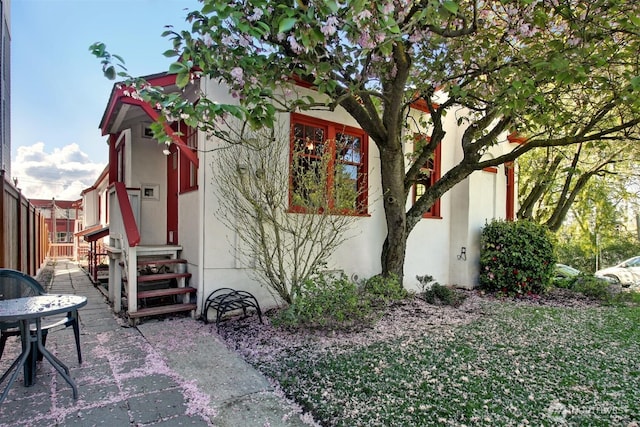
x=148, y=168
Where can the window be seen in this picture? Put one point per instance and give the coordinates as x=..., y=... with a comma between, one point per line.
x=120, y=161
x=188, y=171
x=328, y=166
x=429, y=175
x=510, y=208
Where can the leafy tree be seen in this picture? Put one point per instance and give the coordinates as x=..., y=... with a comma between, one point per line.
x=560, y=72
x=552, y=179
x=602, y=230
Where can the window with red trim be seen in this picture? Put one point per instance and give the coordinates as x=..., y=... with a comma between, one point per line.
x=188, y=171
x=120, y=165
x=428, y=176
x=510, y=199
x=328, y=166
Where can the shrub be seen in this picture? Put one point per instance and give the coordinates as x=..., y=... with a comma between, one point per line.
x=516, y=257
x=434, y=293
x=443, y=295
x=325, y=301
x=384, y=289
x=336, y=302
x=592, y=287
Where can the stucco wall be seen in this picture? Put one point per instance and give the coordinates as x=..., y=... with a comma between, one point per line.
x=433, y=247
x=148, y=167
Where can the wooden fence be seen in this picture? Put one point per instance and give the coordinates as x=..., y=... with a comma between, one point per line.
x=23, y=235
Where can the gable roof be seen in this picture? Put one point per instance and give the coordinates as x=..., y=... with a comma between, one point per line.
x=120, y=98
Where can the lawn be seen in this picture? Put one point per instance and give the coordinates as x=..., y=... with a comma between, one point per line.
x=487, y=362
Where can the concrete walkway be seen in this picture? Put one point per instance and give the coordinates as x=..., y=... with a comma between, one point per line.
x=162, y=373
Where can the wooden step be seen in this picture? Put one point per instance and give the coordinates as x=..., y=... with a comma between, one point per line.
x=165, y=292
x=161, y=261
x=158, y=277
x=164, y=309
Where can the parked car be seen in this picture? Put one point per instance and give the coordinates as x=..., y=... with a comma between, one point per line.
x=627, y=273
x=564, y=271
x=566, y=276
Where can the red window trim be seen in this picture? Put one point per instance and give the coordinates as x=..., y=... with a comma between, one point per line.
x=434, y=210
x=189, y=136
x=333, y=128
x=510, y=208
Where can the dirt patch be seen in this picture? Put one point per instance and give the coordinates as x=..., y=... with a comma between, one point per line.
x=404, y=320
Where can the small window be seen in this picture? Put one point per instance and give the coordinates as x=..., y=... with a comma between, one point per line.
x=188, y=170
x=428, y=176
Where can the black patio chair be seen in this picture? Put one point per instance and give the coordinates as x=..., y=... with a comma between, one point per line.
x=16, y=284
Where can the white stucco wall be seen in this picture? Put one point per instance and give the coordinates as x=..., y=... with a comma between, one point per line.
x=148, y=167
x=189, y=233
x=433, y=247
x=90, y=207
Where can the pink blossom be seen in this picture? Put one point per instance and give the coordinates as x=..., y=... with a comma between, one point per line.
x=330, y=27
x=245, y=41
x=227, y=40
x=237, y=74
x=365, y=14
x=365, y=40
x=207, y=40
x=388, y=8
x=257, y=14
x=294, y=44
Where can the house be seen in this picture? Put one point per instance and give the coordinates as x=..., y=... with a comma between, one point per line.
x=161, y=205
x=94, y=228
x=63, y=219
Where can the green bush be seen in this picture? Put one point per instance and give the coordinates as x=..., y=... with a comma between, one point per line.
x=592, y=287
x=325, y=301
x=384, y=289
x=443, y=295
x=516, y=257
x=336, y=302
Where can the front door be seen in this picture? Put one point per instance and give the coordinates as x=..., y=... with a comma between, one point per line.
x=172, y=196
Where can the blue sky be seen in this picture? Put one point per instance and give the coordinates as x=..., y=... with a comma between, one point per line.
x=58, y=91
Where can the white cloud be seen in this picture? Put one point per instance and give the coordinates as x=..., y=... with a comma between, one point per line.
x=62, y=174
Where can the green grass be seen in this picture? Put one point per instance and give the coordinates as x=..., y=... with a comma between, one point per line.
x=516, y=365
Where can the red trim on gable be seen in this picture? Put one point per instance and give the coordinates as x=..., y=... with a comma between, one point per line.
x=302, y=83
x=184, y=148
x=118, y=97
x=515, y=139
x=421, y=105
x=490, y=169
x=118, y=92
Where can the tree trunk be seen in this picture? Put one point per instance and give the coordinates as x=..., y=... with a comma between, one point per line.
x=394, y=248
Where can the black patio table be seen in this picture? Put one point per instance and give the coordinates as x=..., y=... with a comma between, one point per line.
x=29, y=310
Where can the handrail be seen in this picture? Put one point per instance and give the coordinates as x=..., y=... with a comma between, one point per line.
x=128, y=219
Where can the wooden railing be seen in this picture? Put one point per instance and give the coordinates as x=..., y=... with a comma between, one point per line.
x=23, y=234
x=61, y=251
